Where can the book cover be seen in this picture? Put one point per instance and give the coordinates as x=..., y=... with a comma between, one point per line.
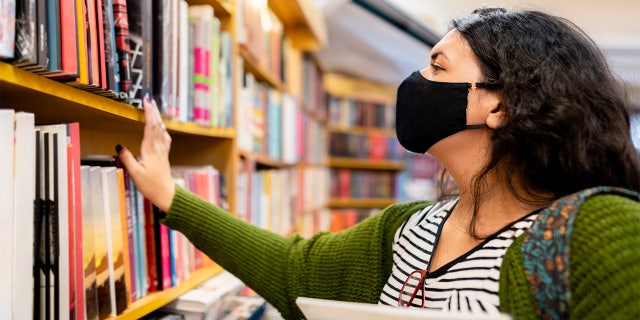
x=207, y=298
x=121, y=24
x=113, y=230
x=140, y=43
x=182, y=110
x=161, y=76
x=82, y=39
x=201, y=16
x=100, y=241
x=153, y=259
x=53, y=34
x=113, y=68
x=93, y=60
x=100, y=35
x=6, y=211
x=141, y=251
x=25, y=34
x=172, y=38
x=89, y=246
x=23, y=231
x=7, y=28
x=130, y=224
x=74, y=195
x=42, y=38
x=126, y=227
x=59, y=250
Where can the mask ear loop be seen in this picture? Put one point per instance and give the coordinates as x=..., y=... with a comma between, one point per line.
x=488, y=85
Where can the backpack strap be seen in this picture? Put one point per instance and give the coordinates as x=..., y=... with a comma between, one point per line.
x=546, y=251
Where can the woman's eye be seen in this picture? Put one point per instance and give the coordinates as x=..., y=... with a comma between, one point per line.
x=436, y=67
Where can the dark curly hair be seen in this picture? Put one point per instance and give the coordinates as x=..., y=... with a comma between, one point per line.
x=567, y=124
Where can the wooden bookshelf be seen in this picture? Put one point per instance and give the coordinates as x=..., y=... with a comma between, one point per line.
x=264, y=162
x=106, y=122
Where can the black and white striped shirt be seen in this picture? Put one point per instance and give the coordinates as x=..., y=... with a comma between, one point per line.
x=468, y=283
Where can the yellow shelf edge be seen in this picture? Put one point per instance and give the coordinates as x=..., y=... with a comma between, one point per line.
x=365, y=163
x=38, y=84
x=303, y=23
x=252, y=66
x=157, y=300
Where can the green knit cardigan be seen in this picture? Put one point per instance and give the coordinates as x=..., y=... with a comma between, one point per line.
x=353, y=265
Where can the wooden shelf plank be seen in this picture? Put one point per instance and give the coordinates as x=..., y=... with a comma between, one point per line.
x=264, y=161
x=365, y=164
x=156, y=300
x=346, y=87
x=303, y=23
x=221, y=8
x=363, y=130
x=361, y=203
x=252, y=66
x=26, y=91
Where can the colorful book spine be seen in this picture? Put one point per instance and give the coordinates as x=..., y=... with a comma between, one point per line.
x=121, y=24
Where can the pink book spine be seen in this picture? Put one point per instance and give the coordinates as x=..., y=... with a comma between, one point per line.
x=165, y=257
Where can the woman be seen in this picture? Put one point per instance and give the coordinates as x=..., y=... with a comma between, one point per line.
x=521, y=109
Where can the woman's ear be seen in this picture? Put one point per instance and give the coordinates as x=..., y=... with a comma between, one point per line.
x=496, y=117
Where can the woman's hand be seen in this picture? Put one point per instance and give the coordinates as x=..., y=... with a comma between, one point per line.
x=152, y=174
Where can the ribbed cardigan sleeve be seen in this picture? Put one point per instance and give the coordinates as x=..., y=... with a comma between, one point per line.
x=604, y=264
x=351, y=265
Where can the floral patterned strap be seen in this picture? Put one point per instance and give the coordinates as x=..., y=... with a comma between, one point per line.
x=546, y=251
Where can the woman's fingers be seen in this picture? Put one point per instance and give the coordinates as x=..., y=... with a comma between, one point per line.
x=152, y=174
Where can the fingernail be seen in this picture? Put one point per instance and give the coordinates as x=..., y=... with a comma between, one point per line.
x=146, y=97
x=118, y=148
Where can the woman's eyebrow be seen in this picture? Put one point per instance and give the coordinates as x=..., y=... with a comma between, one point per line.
x=437, y=54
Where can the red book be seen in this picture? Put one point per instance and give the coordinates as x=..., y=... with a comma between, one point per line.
x=152, y=262
x=377, y=146
x=94, y=60
x=76, y=264
x=165, y=257
x=101, y=50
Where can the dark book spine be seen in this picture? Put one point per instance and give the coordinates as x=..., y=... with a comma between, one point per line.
x=161, y=29
x=54, y=235
x=38, y=232
x=43, y=36
x=121, y=25
x=53, y=35
x=25, y=41
x=140, y=34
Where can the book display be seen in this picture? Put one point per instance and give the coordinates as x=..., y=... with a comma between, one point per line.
x=365, y=157
x=207, y=63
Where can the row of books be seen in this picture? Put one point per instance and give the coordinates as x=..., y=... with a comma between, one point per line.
x=334, y=220
x=347, y=183
x=270, y=123
x=93, y=242
x=274, y=199
x=125, y=49
x=373, y=145
x=261, y=34
x=346, y=112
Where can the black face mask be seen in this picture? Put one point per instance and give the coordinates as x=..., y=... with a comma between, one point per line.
x=429, y=111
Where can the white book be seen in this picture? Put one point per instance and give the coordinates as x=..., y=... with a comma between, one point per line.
x=113, y=231
x=183, y=62
x=25, y=193
x=319, y=309
x=100, y=241
x=208, y=296
x=58, y=186
x=6, y=211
